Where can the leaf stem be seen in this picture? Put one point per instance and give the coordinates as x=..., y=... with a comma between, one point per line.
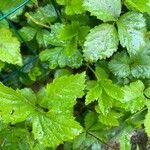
x=101, y=141
x=92, y=70
x=36, y=21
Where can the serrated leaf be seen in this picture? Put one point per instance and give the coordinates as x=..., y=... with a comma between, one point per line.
x=69, y=31
x=106, y=10
x=138, y=66
x=55, y=125
x=147, y=120
x=53, y=37
x=93, y=94
x=71, y=6
x=41, y=37
x=27, y=33
x=113, y=90
x=101, y=42
x=120, y=65
x=133, y=96
x=13, y=138
x=60, y=105
x=13, y=106
x=57, y=57
x=43, y=15
x=132, y=29
x=9, y=48
x=105, y=92
x=111, y=119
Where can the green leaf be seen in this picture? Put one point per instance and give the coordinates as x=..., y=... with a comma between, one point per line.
x=7, y=5
x=41, y=37
x=9, y=48
x=141, y=6
x=71, y=6
x=147, y=120
x=101, y=73
x=61, y=72
x=13, y=138
x=134, y=99
x=53, y=37
x=113, y=90
x=13, y=106
x=138, y=66
x=69, y=31
x=43, y=15
x=93, y=94
x=111, y=119
x=93, y=132
x=105, y=92
x=147, y=92
x=132, y=29
x=27, y=33
x=60, y=124
x=120, y=65
x=106, y=10
x=55, y=125
x=34, y=73
x=57, y=57
x=101, y=42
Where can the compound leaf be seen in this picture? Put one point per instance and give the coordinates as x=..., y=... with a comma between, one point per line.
x=52, y=119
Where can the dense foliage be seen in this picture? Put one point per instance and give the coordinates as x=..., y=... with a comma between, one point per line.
x=75, y=74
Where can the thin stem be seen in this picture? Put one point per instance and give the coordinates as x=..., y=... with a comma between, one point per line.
x=101, y=141
x=92, y=70
x=36, y=21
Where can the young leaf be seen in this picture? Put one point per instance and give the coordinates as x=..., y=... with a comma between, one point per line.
x=71, y=6
x=120, y=65
x=132, y=29
x=101, y=42
x=105, y=92
x=9, y=48
x=106, y=10
x=134, y=99
x=57, y=57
